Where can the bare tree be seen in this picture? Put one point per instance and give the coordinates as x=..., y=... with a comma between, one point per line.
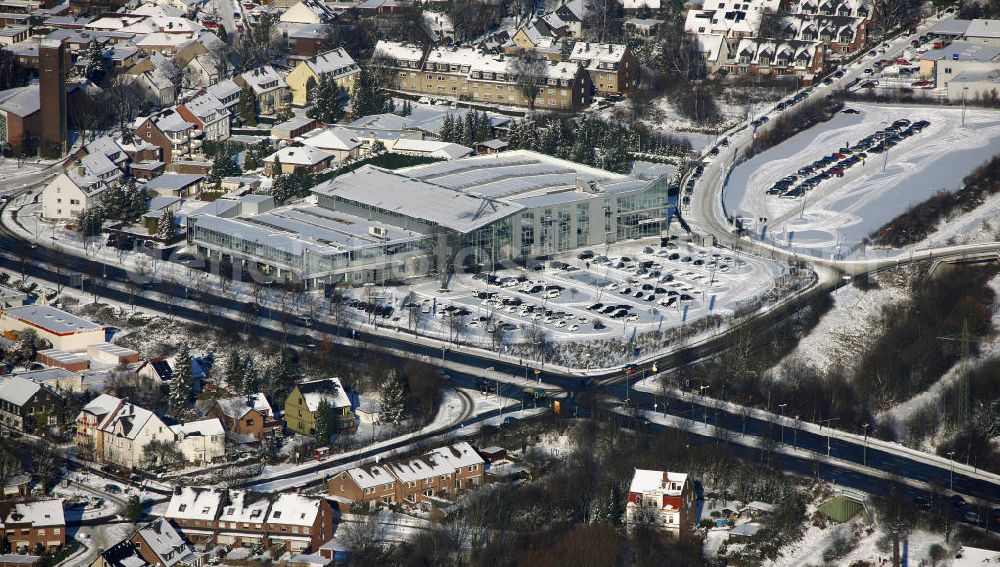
x=457, y=325
x=529, y=72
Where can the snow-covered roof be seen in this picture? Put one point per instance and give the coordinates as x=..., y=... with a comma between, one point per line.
x=237, y=406
x=655, y=481
x=638, y=4
x=328, y=389
x=113, y=22
x=983, y=28
x=174, y=181
x=245, y=506
x=163, y=540
x=224, y=89
x=370, y=476
x=200, y=428
x=459, y=455
x=194, y=503
x=420, y=468
x=167, y=120
x=398, y=51
x=416, y=198
x=593, y=54
x=207, y=108
x=39, y=513
x=963, y=51
x=128, y=421
x=102, y=405
x=294, y=509
x=20, y=101
x=51, y=319
x=299, y=155
x=263, y=79
x=336, y=62
x=332, y=138
x=433, y=148
x=18, y=391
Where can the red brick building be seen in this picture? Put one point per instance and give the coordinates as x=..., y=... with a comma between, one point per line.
x=442, y=472
x=27, y=525
x=52, y=94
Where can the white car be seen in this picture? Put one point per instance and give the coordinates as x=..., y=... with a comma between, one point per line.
x=551, y=294
x=560, y=324
x=611, y=286
x=573, y=328
x=632, y=317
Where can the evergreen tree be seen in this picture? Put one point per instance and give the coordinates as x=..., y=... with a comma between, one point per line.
x=181, y=385
x=283, y=375
x=246, y=108
x=276, y=168
x=368, y=96
x=90, y=220
x=251, y=380
x=325, y=420
x=311, y=85
x=223, y=165
x=329, y=101
x=616, y=159
x=165, y=227
x=469, y=130
x=393, y=406
x=447, y=129
x=95, y=64
x=484, y=129
x=233, y=371
x=378, y=147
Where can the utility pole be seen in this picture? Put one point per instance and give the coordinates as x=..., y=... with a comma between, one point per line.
x=964, y=390
x=782, y=406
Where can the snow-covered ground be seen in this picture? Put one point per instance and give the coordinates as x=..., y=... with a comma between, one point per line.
x=840, y=212
x=868, y=547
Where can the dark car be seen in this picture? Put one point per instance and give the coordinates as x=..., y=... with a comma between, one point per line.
x=598, y=325
x=595, y=307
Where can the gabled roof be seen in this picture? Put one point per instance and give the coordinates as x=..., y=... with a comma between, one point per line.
x=327, y=389
x=127, y=421
x=195, y=503
x=263, y=79
x=245, y=506
x=294, y=509
x=238, y=406
x=200, y=428
x=332, y=138
x=655, y=481
x=336, y=62
x=38, y=513
x=163, y=540
x=102, y=405
x=299, y=155
x=17, y=390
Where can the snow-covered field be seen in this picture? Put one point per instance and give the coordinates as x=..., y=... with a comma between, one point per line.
x=840, y=212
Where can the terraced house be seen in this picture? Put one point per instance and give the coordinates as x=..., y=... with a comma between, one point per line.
x=336, y=65
x=443, y=472
x=469, y=74
x=241, y=518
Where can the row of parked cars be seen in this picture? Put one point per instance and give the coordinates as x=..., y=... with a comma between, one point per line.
x=809, y=177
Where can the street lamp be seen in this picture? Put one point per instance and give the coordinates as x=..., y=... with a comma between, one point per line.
x=951, y=482
x=795, y=434
x=782, y=420
x=865, y=452
x=704, y=406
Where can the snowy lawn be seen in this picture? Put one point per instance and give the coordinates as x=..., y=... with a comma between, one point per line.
x=841, y=211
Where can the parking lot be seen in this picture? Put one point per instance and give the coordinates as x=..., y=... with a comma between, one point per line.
x=826, y=189
x=628, y=288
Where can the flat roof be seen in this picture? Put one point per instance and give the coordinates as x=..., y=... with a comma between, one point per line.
x=410, y=196
x=53, y=320
x=62, y=356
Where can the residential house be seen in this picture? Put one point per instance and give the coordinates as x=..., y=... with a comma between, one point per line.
x=246, y=415
x=337, y=141
x=89, y=438
x=156, y=543
x=308, y=12
x=269, y=89
x=16, y=487
x=27, y=525
x=242, y=519
x=157, y=83
x=175, y=185
x=336, y=65
x=69, y=194
x=208, y=115
x=305, y=398
x=177, y=138
x=126, y=433
x=201, y=442
x=297, y=158
x=612, y=68
x=445, y=471
x=227, y=92
x=662, y=499
x=299, y=523
x=28, y=406
x=484, y=78
x=431, y=148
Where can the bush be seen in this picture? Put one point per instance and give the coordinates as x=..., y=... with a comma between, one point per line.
x=799, y=119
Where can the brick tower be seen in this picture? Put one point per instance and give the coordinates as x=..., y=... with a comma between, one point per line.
x=52, y=96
